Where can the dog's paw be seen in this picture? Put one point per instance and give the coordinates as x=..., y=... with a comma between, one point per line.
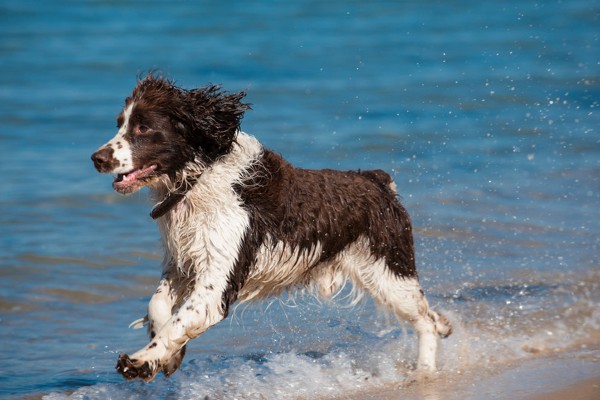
x=443, y=326
x=132, y=368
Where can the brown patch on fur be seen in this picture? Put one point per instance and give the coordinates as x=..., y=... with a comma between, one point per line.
x=301, y=207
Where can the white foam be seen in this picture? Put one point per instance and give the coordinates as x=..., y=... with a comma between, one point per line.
x=488, y=335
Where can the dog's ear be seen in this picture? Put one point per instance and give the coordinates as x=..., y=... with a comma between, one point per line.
x=214, y=117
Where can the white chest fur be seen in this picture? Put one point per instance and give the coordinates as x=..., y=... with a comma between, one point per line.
x=204, y=232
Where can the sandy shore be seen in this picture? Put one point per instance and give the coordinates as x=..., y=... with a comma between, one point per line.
x=567, y=376
x=588, y=389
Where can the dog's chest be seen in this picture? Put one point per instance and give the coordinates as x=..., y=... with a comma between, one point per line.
x=204, y=231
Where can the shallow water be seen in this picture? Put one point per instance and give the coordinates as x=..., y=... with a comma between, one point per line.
x=487, y=116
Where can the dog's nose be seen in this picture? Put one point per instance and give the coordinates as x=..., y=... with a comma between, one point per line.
x=102, y=158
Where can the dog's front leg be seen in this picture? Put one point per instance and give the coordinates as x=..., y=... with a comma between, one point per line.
x=201, y=310
x=160, y=307
x=171, y=290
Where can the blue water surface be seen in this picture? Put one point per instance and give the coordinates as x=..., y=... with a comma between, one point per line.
x=485, y=113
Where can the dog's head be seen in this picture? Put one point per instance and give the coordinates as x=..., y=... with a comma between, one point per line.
x=162, y=128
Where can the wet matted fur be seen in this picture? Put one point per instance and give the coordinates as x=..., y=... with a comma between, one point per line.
x=238, y=222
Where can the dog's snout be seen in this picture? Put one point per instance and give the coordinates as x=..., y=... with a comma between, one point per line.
x=103, y=159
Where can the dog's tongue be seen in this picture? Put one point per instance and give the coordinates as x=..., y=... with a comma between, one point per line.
x=128, y=178
x=128, y=183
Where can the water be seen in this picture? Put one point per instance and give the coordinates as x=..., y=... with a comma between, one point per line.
x=486, y=114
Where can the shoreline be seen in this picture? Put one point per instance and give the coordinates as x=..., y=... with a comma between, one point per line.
x=588, y=389
x=570, y=375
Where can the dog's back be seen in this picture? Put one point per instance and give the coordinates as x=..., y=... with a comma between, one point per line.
x=301, y=208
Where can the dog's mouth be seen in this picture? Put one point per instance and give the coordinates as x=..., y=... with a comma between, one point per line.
x=134, y=180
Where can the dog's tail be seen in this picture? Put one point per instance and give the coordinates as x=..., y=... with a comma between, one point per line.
x=380, y=178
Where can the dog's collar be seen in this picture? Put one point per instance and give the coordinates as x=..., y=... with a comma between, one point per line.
x=172, y=199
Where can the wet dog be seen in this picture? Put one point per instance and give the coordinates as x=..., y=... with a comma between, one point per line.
x=238, y=222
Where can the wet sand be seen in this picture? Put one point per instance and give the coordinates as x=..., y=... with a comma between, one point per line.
x=588, y=389
x=572, y=376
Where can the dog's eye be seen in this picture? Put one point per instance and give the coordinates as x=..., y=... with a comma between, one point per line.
x=142, y=129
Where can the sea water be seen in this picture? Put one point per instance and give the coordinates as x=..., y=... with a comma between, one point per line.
x=485, y=114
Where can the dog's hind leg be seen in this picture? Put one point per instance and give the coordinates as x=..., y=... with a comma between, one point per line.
x=428, y=324
x=404, y=297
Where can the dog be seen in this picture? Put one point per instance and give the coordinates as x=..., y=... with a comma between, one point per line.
x=239, y=223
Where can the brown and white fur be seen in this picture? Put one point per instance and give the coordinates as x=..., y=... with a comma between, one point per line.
x=238, y=222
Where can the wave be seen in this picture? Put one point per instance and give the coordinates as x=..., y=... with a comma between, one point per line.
x=496, y=324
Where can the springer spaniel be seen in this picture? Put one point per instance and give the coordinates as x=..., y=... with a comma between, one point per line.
x=238, y=222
